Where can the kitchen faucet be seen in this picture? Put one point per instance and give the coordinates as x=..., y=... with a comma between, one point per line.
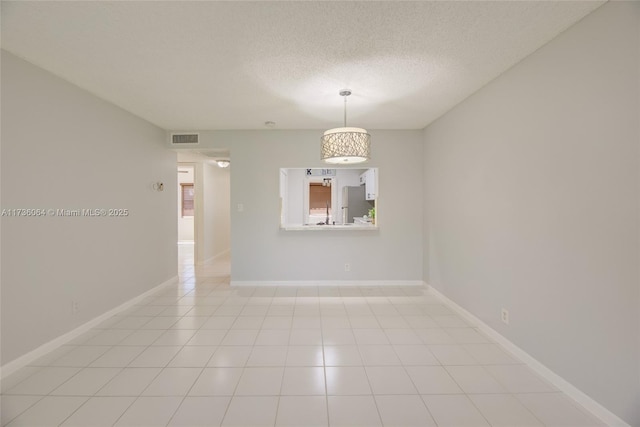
x=327, y=220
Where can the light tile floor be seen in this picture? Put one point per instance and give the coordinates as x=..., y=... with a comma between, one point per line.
x=201, y=353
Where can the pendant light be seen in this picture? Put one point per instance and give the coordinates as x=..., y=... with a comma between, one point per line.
x=345, y=145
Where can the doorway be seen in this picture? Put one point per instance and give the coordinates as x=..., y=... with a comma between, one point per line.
x=186, y=215
x=210, y=224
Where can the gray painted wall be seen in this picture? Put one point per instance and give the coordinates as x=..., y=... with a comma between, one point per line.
x=532, y=204
x=263, y=252
x=64, y=148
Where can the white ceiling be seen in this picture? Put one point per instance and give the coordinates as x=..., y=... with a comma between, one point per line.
x=234, y=65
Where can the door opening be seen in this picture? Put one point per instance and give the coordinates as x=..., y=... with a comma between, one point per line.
x=186, y=215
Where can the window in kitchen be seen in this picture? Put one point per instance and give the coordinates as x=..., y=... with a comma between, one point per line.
x=319, y=198
x=187, y=199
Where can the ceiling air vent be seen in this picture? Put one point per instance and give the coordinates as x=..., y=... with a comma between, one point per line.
x=184, y=138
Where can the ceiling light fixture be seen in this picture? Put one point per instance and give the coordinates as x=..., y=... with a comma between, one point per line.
x=345, y=145
x=223, y=163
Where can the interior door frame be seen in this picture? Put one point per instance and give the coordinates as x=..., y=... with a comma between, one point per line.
x=197, y=208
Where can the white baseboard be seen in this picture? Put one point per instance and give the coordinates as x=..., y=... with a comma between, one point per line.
x=606, y=416
x=215, y=257
x=33, y=355
x=325, y=283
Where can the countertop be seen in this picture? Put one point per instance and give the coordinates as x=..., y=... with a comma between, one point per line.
x=313, y=227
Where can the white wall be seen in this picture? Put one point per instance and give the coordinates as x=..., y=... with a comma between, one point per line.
x=217, y=225
x=185, y=223
x=295, y=193
x=532, y=204
x=263, y=252
x=64, y=148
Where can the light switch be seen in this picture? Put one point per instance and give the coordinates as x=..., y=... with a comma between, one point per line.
x=240, y=207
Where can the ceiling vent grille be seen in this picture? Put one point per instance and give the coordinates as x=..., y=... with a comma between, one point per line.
x=184, y=138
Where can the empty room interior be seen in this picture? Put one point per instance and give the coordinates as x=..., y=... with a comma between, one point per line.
x=319, y=213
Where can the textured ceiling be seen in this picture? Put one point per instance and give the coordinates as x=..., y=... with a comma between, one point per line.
x=234, y=65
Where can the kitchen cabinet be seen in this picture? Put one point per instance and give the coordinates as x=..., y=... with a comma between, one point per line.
x=370, y=181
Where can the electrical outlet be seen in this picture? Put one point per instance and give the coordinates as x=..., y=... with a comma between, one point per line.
x=505, y=316
x=240, y=207
x=74, y=307
x=347, y=266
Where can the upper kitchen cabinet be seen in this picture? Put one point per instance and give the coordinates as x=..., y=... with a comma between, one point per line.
x=370, y=181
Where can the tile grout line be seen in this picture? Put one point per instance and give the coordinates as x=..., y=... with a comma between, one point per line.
x=306, y=310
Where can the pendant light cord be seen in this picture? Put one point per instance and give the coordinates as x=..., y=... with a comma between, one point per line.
x=345, y=111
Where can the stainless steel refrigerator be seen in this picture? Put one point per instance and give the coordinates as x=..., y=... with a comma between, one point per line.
x=354, y=203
